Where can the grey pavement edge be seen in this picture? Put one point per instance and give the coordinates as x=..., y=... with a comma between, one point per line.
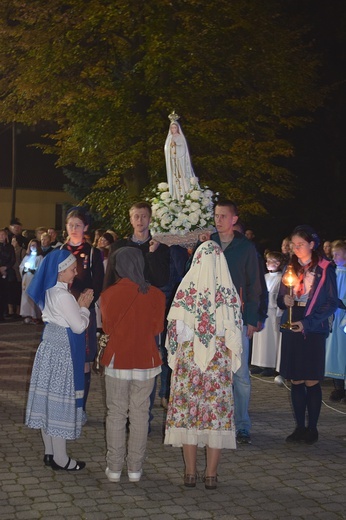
x=266, y=480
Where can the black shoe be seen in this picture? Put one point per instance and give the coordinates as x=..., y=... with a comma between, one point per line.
x=47, y=460
x=269, y=372
x=337, y=395
x=311, y=436
x=256, y=370
x=79, y=465
x=243, y=437
x=298, y=435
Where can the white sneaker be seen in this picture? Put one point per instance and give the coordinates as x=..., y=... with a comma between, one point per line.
x=135, y=476
x=113, y=476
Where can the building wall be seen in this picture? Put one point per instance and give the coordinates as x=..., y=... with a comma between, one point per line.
x=34, y=208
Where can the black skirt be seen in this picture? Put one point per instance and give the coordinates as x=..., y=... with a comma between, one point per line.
x=302, y=355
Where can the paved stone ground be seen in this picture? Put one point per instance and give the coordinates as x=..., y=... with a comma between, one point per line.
x=263, y=481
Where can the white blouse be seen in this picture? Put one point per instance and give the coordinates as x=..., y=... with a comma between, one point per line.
x=62, y=309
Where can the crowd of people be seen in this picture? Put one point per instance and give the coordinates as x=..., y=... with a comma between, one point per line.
x=197, y=313
x=202, y=320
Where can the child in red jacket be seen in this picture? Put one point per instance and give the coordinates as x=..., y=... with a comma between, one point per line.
x=132, y=315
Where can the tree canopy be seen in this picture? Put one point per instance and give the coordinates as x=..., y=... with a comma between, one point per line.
x=106, y=74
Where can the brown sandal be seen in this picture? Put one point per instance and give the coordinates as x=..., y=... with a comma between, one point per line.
x=190, y=480
x=210, y=482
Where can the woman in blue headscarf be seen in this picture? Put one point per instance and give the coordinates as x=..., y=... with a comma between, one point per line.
x=55, y=402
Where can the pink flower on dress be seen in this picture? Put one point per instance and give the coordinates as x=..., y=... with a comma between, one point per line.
x=180, y=294
x=202, y=329
x=189, y=300
x=193, y=411
x=205, y=317
x=195, y=380
x=218, y=297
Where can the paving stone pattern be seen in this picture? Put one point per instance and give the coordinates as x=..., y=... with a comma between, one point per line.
x=266, y=480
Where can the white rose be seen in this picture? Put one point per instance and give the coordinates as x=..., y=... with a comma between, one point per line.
x=195, y=194
x=165, y=196
x=194, y=206
x=205, y=202
x=166, y=220
x=179, y=220
x=193, y=218
x=202, y=222
x=194, y=181
x=161, y=212
x=163, y=186
x=208, y=193
x=174, y=207
x=154, y=209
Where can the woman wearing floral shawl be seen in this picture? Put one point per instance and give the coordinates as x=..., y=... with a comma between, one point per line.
x=204, y=347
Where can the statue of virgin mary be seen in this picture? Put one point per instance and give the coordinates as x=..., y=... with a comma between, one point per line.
x=178, y=163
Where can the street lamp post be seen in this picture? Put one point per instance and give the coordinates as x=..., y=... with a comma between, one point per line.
x=14, y=171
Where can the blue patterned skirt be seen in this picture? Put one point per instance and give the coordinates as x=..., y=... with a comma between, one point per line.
x=52, y=396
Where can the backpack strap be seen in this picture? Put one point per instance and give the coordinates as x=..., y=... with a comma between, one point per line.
x=323, y=264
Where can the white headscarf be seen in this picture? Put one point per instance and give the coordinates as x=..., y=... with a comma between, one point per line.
x=206, y=305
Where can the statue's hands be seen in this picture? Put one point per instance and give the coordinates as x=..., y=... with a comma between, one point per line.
x=153, y=245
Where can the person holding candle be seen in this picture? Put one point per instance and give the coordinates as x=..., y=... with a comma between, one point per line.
x=313, y=301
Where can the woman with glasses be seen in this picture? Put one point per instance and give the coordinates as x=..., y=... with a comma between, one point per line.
x=313, y=302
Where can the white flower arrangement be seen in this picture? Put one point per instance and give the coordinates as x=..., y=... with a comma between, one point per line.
x=181, y=217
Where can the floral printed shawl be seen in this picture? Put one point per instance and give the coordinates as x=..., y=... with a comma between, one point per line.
x=207, y=305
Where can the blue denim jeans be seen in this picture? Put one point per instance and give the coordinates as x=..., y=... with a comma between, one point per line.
x=242, y=388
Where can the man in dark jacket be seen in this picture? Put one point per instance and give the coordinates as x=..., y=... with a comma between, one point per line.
x=156, y=255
